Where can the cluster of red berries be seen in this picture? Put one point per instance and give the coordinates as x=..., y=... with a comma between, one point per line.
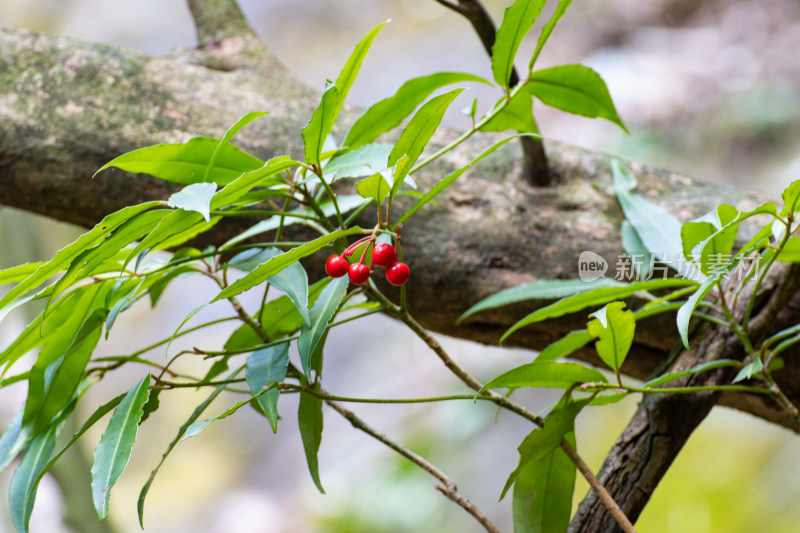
x=383, y=255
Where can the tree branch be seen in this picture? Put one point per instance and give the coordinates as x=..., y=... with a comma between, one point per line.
x=91, y=103
x=217, y=20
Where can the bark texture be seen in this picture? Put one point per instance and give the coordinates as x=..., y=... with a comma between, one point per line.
x=68, y=106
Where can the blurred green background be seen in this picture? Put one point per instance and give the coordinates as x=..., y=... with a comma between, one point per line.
x=711, y=89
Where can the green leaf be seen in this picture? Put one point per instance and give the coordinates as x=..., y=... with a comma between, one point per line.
x=575, y=89
x=658, y=229
x=114, y=450
x=543, y=440
x=321, y=124
x=566, y=345
x=790, y=253
x=187, y=163
x=280, y=318
x=448, y=180
x=613, y=327
x=181, y=432
x=389, y=112
x=517, y=115
x=363, y=161
x=309, y=418
x=22, y=490
x=261, y=177
x=241, y=123
x=687, y=309
x=791, y=196
x=545, y=374
x=266, y=367
x=421, y=127
x=347, y=202
x=350, y=70
x=518, y=19
x=544, y=289
x=18, y=273
x=321, y=314
x=66, y=255
x=561, y=8
x=600, y=296
x=543, y=493
x=59, y=369
x=195, y=197
x=374, y=188
x=291, y=280
x=12, y=441
x=635, y=248
x=276, y=264
x=702, y=367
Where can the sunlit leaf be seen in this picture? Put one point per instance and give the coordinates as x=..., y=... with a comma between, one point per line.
x=321, y=124
x=545, y=374
x=195, y=197
x=614, y=327
x=518, y=20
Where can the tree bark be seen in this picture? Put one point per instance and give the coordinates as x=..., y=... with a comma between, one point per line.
x=71, y=106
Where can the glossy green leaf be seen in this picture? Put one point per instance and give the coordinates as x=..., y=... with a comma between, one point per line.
x=517, y=115
x=114, y=450
x=66, y=255
x=518, y=19
x=291, y=280
x=545, y=374
x=613, y=326
x=543, y=289
x=233, y=130
x=321, y=314
x=280, y=318
x=276, y=264
x=350, y=70
x=374, y=188
x=543, y=440
x=641, y=258
x=321, y=124
x=265, y=367
x=448, y=180
x=566, y=345
x=389, y=112
x=658, y=229
x=181, y=432
x=600, y=296
x=195, y=197
x=363, y=161
x=401, y=170
x=561, y=8
x=543, y=493
x=687, y=309
x=575, y=89
x=186, y=163
x=421, y=127
x=22, y=490
x=309, y=418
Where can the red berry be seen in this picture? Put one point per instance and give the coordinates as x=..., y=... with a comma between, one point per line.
x=398, y=274
x=384, y=255
x=359, y=273
x=336, y=266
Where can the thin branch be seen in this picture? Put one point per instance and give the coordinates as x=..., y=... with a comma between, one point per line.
x=534, y=159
